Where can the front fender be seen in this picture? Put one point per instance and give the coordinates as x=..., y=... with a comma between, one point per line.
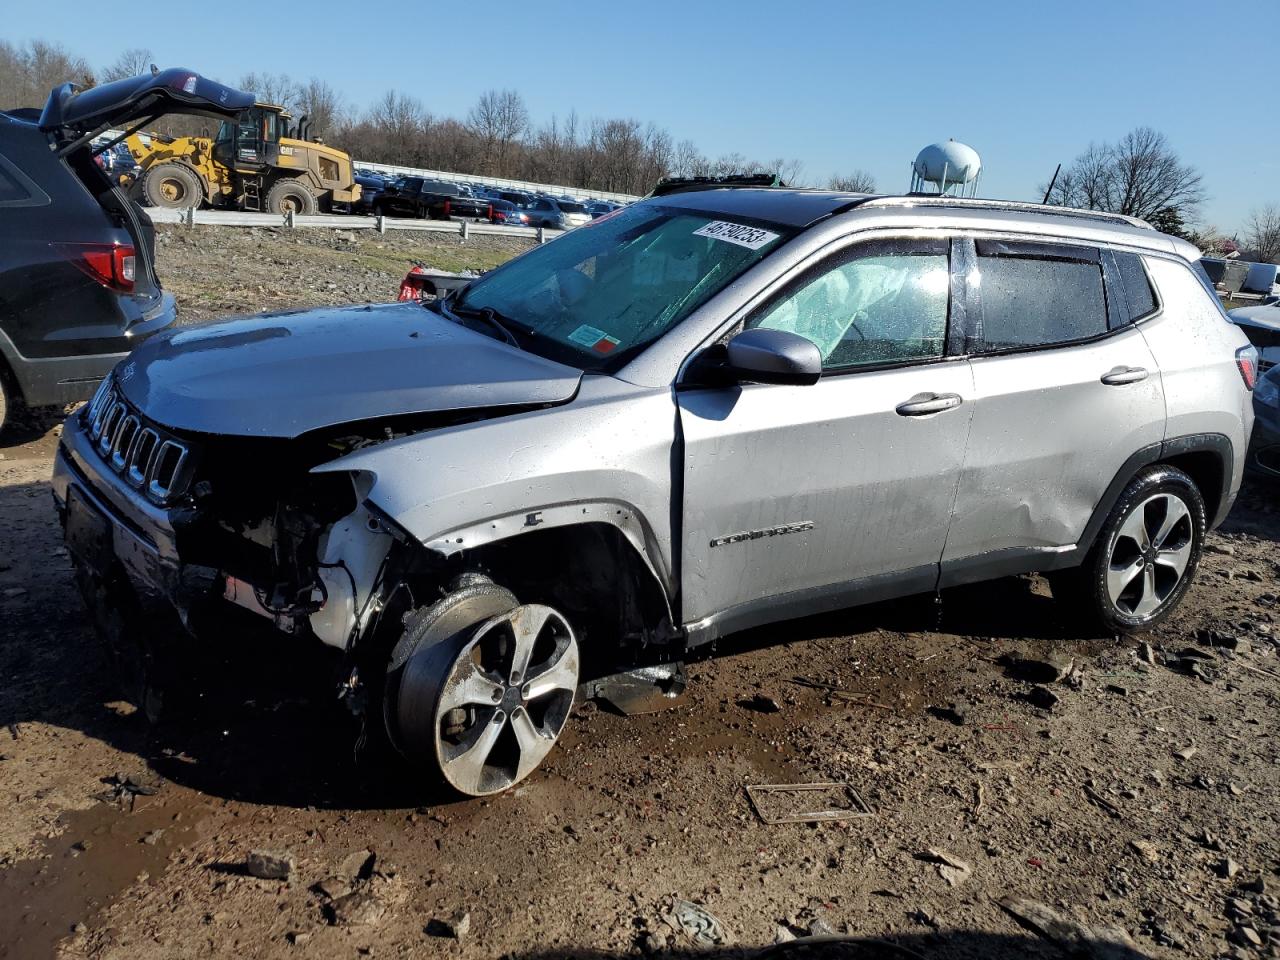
x=604, y=457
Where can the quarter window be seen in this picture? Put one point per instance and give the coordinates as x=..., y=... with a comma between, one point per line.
x=1036, y=295
x=884, y=303
x=1137, y=287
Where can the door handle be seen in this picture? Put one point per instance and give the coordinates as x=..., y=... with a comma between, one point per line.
x=1119, y=376
x=923, y=404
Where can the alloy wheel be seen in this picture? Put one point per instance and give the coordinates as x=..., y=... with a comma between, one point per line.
x=506, y=699
x=1150, y=554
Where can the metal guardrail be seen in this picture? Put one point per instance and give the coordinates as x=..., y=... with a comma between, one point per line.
x=459, y=228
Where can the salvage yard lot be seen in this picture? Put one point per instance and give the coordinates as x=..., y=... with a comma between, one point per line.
x=1133, y=789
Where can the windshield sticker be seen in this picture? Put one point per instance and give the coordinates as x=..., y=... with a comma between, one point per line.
x=597, y=340
x=587, y=336
x=753, y=238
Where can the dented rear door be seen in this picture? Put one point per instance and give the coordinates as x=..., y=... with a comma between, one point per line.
x=1067, y=391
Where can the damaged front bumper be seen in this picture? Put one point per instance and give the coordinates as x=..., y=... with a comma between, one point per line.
x=107, y=523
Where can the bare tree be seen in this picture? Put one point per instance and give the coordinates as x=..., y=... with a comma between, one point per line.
x=277, y=88
x=29, y=72
x=1262, y=233
x=498, y=120
x=320, y=104
x=856, y=181
x=134, y=62
x=1140, y=176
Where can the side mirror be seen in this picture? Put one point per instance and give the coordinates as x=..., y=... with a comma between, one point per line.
x=773, y=356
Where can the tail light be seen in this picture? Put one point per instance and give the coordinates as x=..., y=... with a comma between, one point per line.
x=114, y=265
x=413, y=285
x=447, y=207
x=1247, y=361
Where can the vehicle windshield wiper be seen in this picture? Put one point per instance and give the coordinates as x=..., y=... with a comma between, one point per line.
x=489, y=315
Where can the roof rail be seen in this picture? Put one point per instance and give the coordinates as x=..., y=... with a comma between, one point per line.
x=1044, y=210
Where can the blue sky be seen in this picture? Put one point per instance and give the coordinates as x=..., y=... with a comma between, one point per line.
x=836, y=85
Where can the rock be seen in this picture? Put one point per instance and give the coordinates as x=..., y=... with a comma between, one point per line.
x=152, y=838
x=358, y=865
x=652, y=943
x=1117, y=689
x=1186, y=753
x=13, y=593
x=1042, y=697
x=782, y=934
x=297, y=937
x=270, y=865
x=1257, y=885
x=1247, y=937
x=1146, y=654
x=1145, y=849
x=950, y=867
x=358, y=909
x=1043, y=669
x=1221, y=549
x=333, y=887
x=819, y=927
x=1228, y=868
x=79, y=929
x=458, y=924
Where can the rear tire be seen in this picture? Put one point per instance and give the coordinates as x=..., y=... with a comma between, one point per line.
x=171, y=186
x=1145, y=556
x=286, y=195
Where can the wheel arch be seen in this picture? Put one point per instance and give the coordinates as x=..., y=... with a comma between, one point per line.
x=592, y=560
x=1208, y=458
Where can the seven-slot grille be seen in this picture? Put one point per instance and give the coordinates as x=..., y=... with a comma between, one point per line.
x=149, y=460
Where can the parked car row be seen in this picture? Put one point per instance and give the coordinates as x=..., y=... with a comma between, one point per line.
x=412, y=196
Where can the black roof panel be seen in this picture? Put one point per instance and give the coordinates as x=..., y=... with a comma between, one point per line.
x=793, y=208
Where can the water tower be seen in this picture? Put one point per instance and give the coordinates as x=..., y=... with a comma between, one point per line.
x=947, y=168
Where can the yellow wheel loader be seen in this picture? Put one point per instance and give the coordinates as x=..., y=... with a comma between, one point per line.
x=256, y=162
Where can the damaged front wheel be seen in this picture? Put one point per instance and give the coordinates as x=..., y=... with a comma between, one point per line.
x=483, y=689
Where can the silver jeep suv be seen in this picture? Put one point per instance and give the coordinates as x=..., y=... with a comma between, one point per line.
x=710, y=410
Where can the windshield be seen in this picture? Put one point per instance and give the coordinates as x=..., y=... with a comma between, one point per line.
x=599, y=295
x=568, y=206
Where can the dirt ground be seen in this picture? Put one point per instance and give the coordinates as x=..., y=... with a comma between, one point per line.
x=1140, y=809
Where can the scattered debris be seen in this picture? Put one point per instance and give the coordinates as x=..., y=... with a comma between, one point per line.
x=1098, y=800
x=950, y=867
x=702, y=929
x=839, y=793
x=1102, y=942
x=270, y=865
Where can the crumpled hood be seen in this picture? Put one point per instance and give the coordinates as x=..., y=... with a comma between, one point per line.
x=282, y=375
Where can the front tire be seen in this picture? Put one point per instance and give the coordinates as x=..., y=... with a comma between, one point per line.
x=1145, y=556
x=171, y=186
x=480, y=687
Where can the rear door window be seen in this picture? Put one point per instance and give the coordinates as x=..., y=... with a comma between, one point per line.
x=1037, y=294
x=1138, y=294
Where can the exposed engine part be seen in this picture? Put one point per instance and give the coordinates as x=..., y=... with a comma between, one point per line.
x=350, y=556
